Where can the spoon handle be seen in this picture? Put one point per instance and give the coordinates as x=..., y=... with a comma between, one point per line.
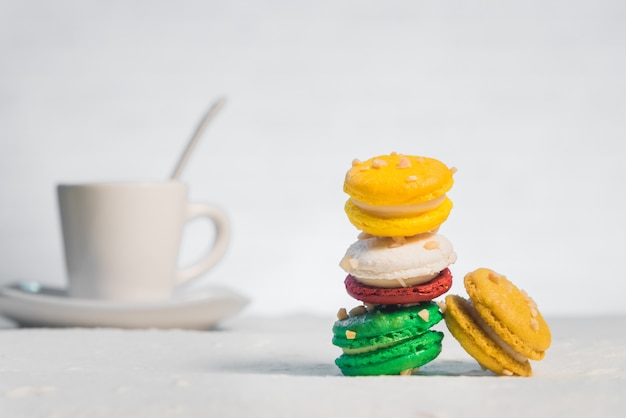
x=182, y=161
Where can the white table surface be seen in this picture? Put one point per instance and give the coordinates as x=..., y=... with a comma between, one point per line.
x=283, y=367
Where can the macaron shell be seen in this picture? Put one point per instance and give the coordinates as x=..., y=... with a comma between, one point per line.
x=383, y=321
x=509, y=311
x=382, y=258
x=361, y=345
x=477, y=344
x=393, y=360
x=387, y=180
x=401, y=295
x=398, y=226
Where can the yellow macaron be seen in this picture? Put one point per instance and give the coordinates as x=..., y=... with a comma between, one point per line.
x=500, y=325
x=398, y=195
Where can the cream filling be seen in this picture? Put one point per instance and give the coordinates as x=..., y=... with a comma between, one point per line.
x=366, y=348
x=399, y=210
x=492, y=334
x=398, y=282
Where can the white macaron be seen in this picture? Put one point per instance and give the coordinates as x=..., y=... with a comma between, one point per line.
x=389, y=263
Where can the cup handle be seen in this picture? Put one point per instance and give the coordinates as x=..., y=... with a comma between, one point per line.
x=222, y=236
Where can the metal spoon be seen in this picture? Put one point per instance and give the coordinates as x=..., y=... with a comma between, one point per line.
x=217, y=106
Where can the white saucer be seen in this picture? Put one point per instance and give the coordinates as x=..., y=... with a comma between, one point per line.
x=32, y=305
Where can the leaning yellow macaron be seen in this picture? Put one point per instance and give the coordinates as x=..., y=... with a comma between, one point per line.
x=398, y=195
x=500, y=325
x=510, y=312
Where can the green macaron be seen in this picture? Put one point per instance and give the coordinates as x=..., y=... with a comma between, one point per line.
x=388, y=340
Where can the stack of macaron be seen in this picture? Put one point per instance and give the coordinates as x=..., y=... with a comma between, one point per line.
x=397, y=267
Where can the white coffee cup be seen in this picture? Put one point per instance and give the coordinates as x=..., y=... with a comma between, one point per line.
x=122, y=240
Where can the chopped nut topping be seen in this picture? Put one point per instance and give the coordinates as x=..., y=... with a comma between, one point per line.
x=453, y=170
x=364, y=168
x=406, y=372
x=424, y=314
x=411, y=179
x=507, y=372
x=358, y=310
x=420, y=159
x=431, y=245
x=370, y=306
x=356, y=162
x=533, y=312
x=495, y=278
x=401, y=240
x=350, y=335
x=378, y=163
x=402, y=282
x=531, y=303
x=396, y=242
x=442, y=306
x=393, y=153
x=404, y=163
x=364, y=235
x=534, y=325
x=342, y=314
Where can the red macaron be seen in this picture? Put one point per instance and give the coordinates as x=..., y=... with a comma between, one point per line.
x=401, y=295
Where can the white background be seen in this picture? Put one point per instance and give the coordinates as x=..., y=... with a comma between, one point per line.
x=527, y=99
